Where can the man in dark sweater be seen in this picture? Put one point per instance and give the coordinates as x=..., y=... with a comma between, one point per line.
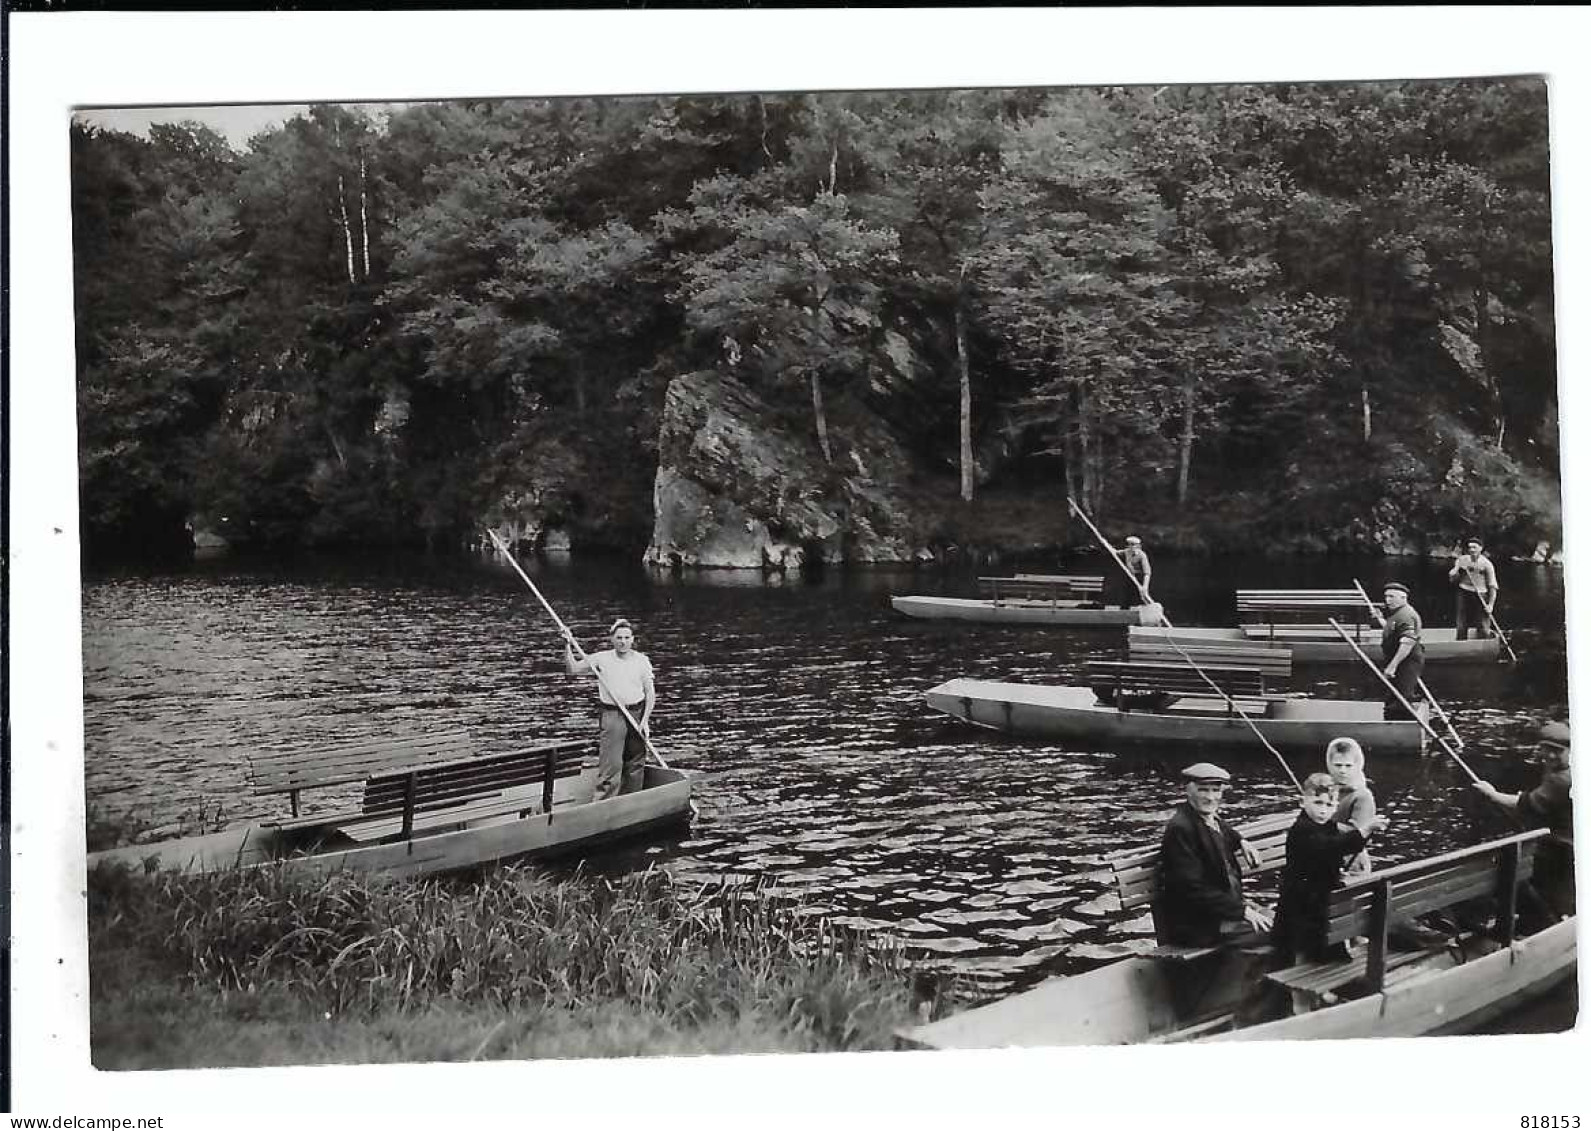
x=1550, y=805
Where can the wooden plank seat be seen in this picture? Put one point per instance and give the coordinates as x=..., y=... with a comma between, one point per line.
x=1134, y=871
x=1050, y=587
x=440, y=784
x=1153, y=685
x=1368, y=905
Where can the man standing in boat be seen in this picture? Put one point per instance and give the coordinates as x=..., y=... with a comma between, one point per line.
x=1401, y=649
x=624, y=676
x=1136, y=563
x=1477, y=590
x=1199, y=887
x=1548, y=804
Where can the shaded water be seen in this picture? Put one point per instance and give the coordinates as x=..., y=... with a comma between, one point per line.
x=799, y=705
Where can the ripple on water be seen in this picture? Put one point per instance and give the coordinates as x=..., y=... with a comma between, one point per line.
x=799, y=706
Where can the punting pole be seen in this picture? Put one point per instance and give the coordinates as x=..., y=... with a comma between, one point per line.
x=1231, y=703
x=1424, y=690
x=1390, y=686
x=1513, y=656
x=575, y=644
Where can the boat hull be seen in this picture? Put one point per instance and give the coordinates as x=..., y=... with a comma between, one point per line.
x=1128, y=1002
x=571, y=828
x=1074, y=714
x=1062, y=613
x=1442, y=645
x=1442, y=998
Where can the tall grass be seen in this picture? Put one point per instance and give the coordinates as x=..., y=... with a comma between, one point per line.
x=357, y=946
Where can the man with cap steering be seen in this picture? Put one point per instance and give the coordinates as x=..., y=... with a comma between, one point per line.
x=1401, y=649
x=1199, y=886
x=1548, y=804
x=1129, y=584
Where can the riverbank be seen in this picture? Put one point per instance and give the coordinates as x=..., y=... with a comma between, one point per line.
x=262, y=968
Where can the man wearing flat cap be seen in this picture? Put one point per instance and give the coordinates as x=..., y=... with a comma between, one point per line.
x=1401, y=649
x=1129, y=584
x=1199, y=886
x=1549, y=804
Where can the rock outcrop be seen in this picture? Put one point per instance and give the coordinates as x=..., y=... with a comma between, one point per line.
x=739, y=486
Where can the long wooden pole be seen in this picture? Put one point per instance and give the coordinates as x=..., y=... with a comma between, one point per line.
x=1392, y=687
x=575, y=646
x=1232, y=704
x=1424, y=690
x=1501, y=635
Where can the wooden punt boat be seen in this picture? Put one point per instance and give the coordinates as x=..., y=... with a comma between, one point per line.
x=1031, y=598
x=435, y=813
x=1077, y=714
x=1448, y=989
x=1309, y=646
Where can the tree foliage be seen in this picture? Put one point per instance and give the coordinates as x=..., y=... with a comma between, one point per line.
x=1319, y=314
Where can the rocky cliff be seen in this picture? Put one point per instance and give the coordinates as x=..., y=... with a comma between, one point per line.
x=741, y=484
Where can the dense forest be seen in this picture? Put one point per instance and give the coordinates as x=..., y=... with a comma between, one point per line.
x=1303, y=316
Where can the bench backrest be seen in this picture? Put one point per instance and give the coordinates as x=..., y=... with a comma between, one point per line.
x=1128, y=676
x=440, y=786
x=1044, y=587
x=308, y=767
x=1134, y=870
x=1318, y=604
x=1276, y=663
x=1428, y=885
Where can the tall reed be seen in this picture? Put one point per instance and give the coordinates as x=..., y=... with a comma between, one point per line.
x=510, y=936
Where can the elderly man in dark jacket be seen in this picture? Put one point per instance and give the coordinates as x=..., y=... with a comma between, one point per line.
x=1199, y=887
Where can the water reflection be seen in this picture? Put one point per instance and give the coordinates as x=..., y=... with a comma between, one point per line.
x=799, y=704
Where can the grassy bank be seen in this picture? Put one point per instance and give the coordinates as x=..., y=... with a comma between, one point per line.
x=261, y=967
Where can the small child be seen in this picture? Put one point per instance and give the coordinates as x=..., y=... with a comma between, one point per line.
x=1316, y=846
x=1356, y=805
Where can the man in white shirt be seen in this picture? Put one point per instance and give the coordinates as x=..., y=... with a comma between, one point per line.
x=1477, y=590
x=624, y=676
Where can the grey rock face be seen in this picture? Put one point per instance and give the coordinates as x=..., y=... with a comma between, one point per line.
x=740, y=484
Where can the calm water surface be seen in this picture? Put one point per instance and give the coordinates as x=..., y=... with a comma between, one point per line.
x=798, y=705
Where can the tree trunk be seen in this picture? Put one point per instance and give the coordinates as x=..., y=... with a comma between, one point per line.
x=834, y=167
x=822, y=421
x=348, y=236
x=966, y=394
x=1185, y=451
x=1364, y=406
x=1085, y=452
x=364, y=218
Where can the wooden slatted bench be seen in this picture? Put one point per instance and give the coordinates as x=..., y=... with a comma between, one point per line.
x=1283, y=614
x=1368, y=905
x=1148, y=647
x=1117, y=682
x=451, y=793
x=1051, y=587
x=1135, y=873
x=410, y=780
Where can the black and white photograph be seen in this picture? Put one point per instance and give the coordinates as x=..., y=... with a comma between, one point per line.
x=574, y=577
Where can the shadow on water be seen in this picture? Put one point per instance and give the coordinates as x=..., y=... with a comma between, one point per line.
x=797, y=701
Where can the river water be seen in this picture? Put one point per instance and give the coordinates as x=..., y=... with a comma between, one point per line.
x=797, y=703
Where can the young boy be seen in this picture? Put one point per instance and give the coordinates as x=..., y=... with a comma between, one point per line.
x=1317, y=845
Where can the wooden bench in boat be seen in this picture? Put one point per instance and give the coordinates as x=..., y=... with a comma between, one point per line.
x=1120, y=682
x=1135, y=870
x=1284, y=614
x=1367, y=906
x=1054, y=588
x=416, y=784
x=1150, y=647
